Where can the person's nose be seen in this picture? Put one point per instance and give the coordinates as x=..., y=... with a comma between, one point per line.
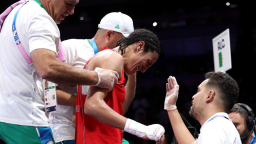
x=71, y=10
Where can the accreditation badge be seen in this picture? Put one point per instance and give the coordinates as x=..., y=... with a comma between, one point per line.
x=50, y=98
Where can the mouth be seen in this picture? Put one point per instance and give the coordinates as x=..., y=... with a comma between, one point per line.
x=64, y=16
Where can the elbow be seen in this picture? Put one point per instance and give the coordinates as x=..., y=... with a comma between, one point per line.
x=90, y=107
x=44, y=73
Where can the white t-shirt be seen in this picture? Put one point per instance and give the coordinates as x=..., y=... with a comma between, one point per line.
x=77, y=53
x=219, y=130
x=21, y=93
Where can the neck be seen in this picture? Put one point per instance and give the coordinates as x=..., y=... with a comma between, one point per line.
x=249, y=138
x=98, y=42
x=207, y=113
x=47, y=7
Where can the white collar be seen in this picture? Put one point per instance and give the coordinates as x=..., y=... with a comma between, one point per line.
x=219, y=113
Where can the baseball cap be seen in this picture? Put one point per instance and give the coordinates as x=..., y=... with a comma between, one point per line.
x=118, y=22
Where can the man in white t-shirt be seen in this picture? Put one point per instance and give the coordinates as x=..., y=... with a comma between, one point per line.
x=112, y=28
x=24, y=61
x=214, y=99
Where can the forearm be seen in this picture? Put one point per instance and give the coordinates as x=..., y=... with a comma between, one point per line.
x=182, y=134
x=130, y=92
x=103, y=113
x=64, y=98
x=50, y=68
x=62, y=73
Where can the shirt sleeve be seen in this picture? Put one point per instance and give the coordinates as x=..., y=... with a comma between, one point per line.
x=69, y=50
x=42, y=32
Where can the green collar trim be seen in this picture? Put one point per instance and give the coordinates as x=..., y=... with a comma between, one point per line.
x=41, y=4
x=89, y=42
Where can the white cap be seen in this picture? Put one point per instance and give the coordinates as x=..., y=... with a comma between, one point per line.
x=118, y=22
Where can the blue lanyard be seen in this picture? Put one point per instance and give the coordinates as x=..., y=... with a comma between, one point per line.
x=251, y=142
x=16, y=37
x=94, y=45
x=217, y=116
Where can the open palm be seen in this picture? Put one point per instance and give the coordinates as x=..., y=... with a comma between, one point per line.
x=172, y=89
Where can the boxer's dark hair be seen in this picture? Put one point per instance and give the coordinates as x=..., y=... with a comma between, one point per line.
x=227, y=87
x=151, y=41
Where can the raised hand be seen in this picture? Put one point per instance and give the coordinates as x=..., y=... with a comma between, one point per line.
x=172, y=89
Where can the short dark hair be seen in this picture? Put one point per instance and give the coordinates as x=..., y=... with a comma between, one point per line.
x=242, y=111
x=227, y=87
x=151, y=41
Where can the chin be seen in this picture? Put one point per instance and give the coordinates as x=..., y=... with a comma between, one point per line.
x=57, y=21
x=129, y=72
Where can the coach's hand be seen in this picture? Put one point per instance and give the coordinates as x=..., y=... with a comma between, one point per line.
x=106, y=78
x=172, y=89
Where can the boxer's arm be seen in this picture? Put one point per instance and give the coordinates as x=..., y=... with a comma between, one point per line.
x=95, y=105
x=130, y=92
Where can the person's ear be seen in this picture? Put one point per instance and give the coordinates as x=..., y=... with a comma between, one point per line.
x=109, y=34
x=139, y=46
x=210, y=96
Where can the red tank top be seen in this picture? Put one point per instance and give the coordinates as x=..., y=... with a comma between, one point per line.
x=90, y=130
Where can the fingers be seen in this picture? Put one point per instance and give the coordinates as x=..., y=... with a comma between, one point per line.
x=172, y=82
x=167, y=87
x=115, y=73
x=175, y=81
x=106, y=78
x=161, y=141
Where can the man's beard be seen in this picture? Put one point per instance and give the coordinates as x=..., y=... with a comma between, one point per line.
x=195, y=113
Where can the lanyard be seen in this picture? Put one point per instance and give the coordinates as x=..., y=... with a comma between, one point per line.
x=94, y=45
x=60, y=56
x=251, y=142
x=217, y=116
x=41, y=4
x=17, y=39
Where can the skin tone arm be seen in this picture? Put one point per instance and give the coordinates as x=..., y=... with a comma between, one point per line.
x=49, y=67
x=64, y=98
x=95, y=105
x=130, y=92
x=180, y=130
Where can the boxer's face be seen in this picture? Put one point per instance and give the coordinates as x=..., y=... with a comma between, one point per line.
x=62, y=9
x=239, y=122
x=140, y=60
